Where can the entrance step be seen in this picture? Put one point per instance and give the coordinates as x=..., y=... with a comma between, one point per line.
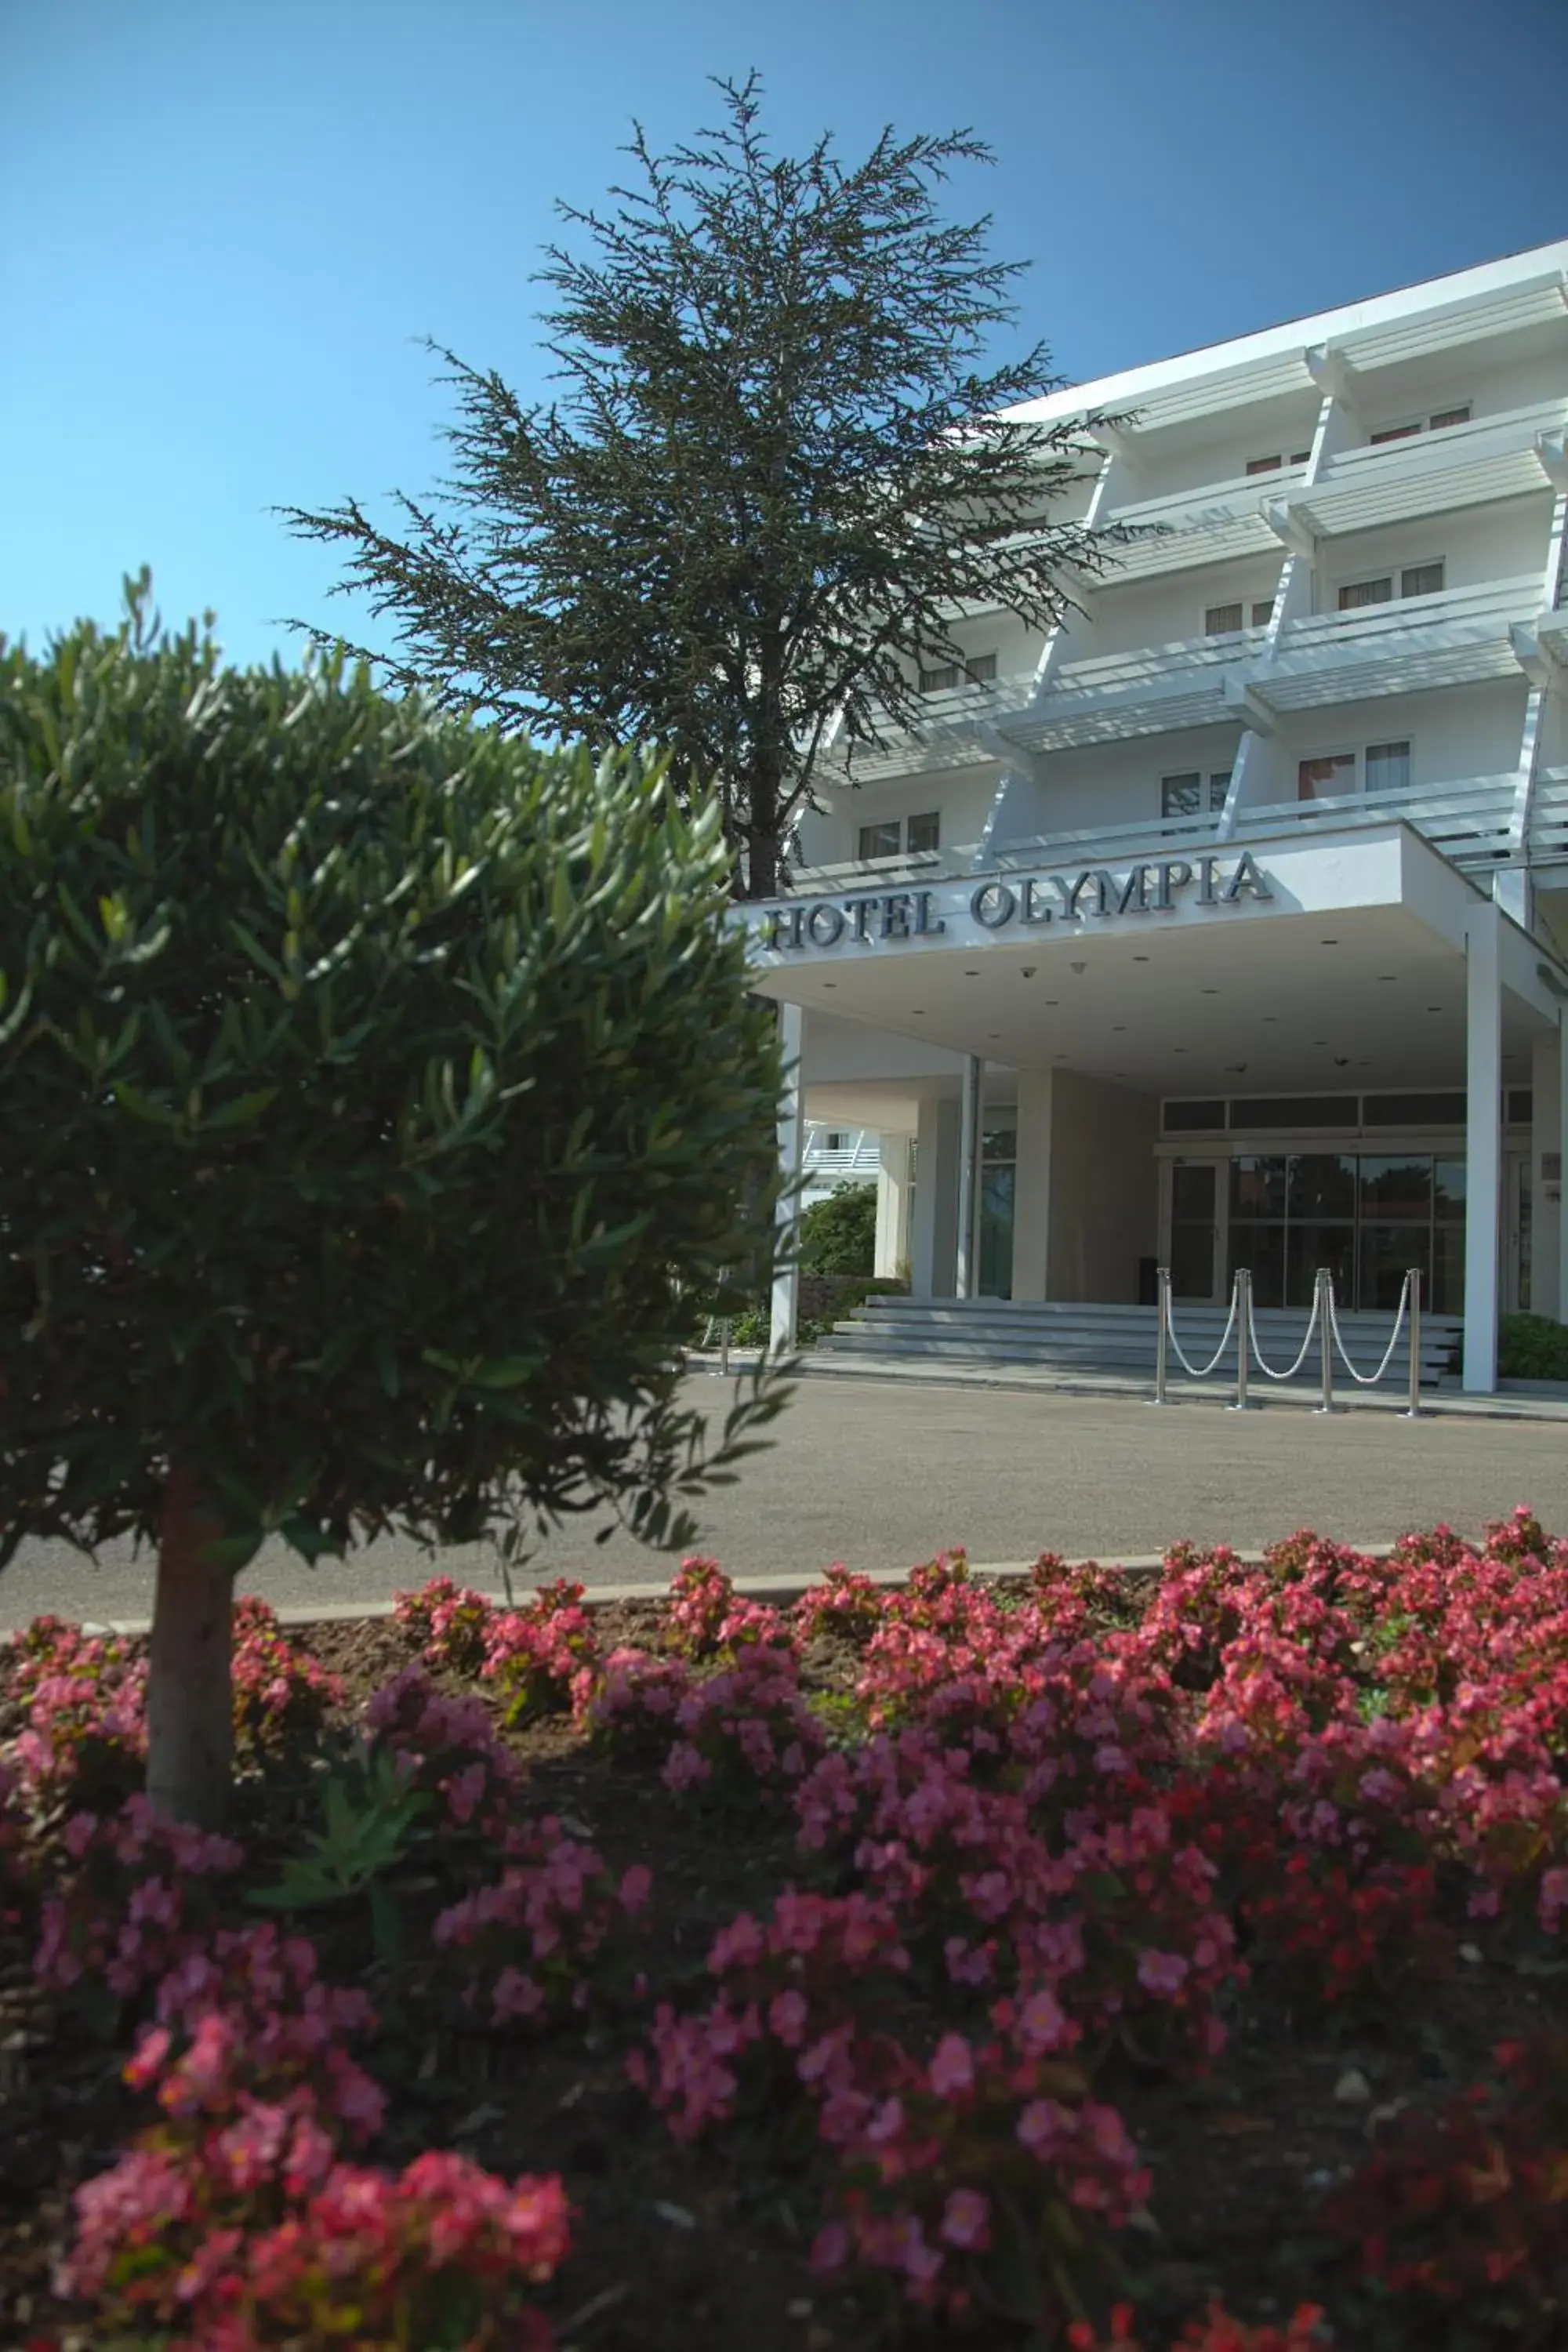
x=1122, y=1339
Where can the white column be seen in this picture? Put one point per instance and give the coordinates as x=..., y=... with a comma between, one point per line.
x=932, y=1229
x=1032, y=1203
x=967, y=1267
x=1545, y=1144
x=791, y=1150
x=893, y=1205
x=1483, y=1148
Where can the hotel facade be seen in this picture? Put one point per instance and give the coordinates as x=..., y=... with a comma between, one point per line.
x=1226, y=925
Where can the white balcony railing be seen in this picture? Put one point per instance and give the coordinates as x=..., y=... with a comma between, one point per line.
x=1490, y=457
x=1216, y=523
x=1147, y=692
x=1547, y=839
x=1459, y=637
x=1467, y=820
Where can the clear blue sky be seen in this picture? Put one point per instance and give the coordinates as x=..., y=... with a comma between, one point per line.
x=223, y=222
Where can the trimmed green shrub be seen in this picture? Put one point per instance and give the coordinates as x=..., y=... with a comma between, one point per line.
x=838, y=1236
x=1533, y=1347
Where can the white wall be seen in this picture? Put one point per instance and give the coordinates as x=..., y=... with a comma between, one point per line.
x=1472, y=373
x=1111, y=784
x=839, y=1052
x=1160, y=612
x=1103, y=1194
x=1454, y=732
x=1475, y=544
x=963, y=795
x=933, y=1237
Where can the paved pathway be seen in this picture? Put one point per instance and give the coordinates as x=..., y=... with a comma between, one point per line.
x=883, y=1474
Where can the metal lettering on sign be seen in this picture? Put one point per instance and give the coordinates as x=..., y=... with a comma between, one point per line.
x=872, y=917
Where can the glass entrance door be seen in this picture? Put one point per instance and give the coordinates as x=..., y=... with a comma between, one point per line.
x=1197, y=1201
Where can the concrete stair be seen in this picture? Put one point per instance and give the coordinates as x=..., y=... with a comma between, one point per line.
x=1120, y=1340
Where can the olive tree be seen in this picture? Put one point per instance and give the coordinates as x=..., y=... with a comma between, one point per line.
x=375, y=1092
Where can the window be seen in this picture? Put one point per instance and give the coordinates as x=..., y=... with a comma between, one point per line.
x=1183, y=796
x=1438, y=422
x=976, y=671
x=917, y=835
x=1415, y=580
x=1326, y=778
x=833, y=1140
x=1382, y=768
x=1272, y=465
x=1228, y=620
x=1387, y=766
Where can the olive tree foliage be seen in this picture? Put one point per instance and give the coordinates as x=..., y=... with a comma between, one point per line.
x=773, y=475
x=376, y=1089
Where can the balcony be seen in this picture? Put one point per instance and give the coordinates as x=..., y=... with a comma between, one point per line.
x=1493, y=457
x=1547, y=834
x=1216, y=523
x=1193, y=682
x=1469, y=821
x=1459, y=637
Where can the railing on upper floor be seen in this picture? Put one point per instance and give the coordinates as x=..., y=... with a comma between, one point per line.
x=1458, y=636
x=1488, y=458
x=1468, y=821
x=1548, y=836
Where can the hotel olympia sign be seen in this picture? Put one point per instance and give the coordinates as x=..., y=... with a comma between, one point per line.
x=1014, y=905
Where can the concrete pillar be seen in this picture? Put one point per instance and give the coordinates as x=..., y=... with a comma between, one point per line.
x=967, y=1270
x=1545, y=1152
x=1483, y=1148
x=791, y=1151
x=893, y=1205
x=1032, y=1199
x=934, y=1227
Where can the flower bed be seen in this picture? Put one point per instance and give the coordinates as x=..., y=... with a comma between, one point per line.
x=1108, y=1962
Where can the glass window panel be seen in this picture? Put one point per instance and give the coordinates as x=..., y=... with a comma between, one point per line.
x=1222, y=620
x=1398, y=1189
x=1193, y=1192
x=1358, y=592
x=1448, y=1271
x=1191, y=1261
x=1264, y=465
x=937, y=679
x=1519, y=1105
x=982, y=667
x=1293, y=1110
x=1301, y=457
x=1321, y=1184
x=1386, y=1252
x=1413, y=1110
x=1309, y=1246
x=1180, y=795
x=1420, y=580
x=1261, y=1249
x=996, y=1192
x=1387, y=766
x=924, y=834
x=1448, y=1191
x=1393, y=433
x=880, y=840
x=1258, y=1185
x=1193, y=1118
x=1322, y=780
x=1452, y=417
x=1262, y=611
x=999, y=1143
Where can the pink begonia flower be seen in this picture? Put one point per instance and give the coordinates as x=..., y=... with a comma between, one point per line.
x=1043, y=2124
x=966, y=2219
x=1042, y=2022
x=788, y=2014
x=952, y=2067
x=830, y=2248
x=637, y=1886
x=1161, y=1972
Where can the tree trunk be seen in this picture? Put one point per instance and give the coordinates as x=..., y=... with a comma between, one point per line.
x=190, y=1676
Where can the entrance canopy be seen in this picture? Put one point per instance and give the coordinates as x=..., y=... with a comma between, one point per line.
x=1337, y=963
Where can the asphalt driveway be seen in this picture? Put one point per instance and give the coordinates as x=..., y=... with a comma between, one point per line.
x=882, y=1474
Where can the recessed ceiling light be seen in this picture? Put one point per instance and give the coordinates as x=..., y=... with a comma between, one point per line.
x=1329, y=943
x=1178, y=1049
x=1388, y=975
x=919, y=1012
x=1208, y=991
x=992, y=1037
x=1118, y=1029
x=1140, y=958
x=972, y=975
x=1051, y=1003
x=1319, y=1041
x=1271, y=1016
x=830, y=984
x=1434, y=1008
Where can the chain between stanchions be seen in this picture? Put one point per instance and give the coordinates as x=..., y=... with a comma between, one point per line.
x=1267, y=1371
x=1366, y=1380
x=1176, y=1345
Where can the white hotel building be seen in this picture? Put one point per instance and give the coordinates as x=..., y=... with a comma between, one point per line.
x=1227, y=925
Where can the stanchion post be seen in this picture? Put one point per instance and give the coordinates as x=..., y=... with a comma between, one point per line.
x=1161, y=1343
x=1326, y=1336
x=1413, y=1411
x=1242, y=1294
